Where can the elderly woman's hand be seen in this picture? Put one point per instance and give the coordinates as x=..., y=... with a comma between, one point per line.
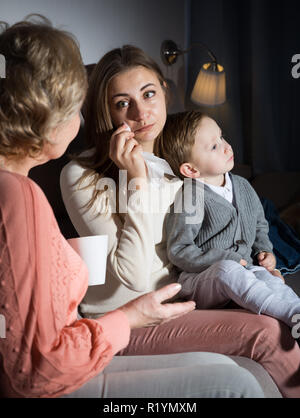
x=126, y=153
x=149, y=310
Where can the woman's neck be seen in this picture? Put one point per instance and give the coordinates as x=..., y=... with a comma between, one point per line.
x=148, y=147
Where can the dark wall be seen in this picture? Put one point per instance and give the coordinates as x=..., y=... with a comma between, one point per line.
x=255, y=40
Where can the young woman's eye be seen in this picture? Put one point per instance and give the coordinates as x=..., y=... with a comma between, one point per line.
x=122, y=103
x=214, y=147
x=149, y=94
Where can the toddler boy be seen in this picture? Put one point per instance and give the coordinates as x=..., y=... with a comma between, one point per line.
x=224, y=253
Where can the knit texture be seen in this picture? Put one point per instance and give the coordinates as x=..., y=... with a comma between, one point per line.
x=217, y=230
x=137, y=260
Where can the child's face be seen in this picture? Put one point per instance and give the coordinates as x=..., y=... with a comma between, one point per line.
x=211, y=155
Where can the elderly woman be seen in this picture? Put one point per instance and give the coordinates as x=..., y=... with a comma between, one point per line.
x=46, y=350
x=125, y=113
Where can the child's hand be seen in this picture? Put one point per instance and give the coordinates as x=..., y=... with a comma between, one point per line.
x=267, y=260
x=243, y=262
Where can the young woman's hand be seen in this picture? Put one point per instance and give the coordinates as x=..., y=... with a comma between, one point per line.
x=126, y=153
x=149, y=310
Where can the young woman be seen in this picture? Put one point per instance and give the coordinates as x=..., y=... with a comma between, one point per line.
x=45, y=351
x=108, y=190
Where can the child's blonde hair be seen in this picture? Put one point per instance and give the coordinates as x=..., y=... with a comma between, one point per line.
x=177, y=139
x=45, y=85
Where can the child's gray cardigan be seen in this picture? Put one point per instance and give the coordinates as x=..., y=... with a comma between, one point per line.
x=222, y=231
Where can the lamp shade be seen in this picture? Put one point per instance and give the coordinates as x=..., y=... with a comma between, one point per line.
x=210, y=86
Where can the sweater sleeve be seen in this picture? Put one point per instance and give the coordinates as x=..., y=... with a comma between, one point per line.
x=262, y=241
x=130, y=239
x=116, y=330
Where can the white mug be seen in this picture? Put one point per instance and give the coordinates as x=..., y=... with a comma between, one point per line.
x=93, y=251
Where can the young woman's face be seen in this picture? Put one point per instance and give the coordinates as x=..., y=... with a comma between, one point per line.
x=137, y=98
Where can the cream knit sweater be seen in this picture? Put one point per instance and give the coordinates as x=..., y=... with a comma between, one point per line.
x=137, y=259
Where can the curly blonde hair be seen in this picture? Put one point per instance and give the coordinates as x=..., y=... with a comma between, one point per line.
x=45, y=85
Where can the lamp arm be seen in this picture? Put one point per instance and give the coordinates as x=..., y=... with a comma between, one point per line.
x=170, y=52
x=203, y=46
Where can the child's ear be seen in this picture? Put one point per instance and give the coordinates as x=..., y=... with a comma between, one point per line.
x=189, y=171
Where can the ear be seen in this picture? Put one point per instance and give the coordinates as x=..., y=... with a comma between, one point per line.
x=187, y=170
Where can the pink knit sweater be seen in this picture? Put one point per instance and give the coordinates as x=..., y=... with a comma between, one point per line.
x=47, y=351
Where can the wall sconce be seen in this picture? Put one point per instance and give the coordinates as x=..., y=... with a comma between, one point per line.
x=210, y=85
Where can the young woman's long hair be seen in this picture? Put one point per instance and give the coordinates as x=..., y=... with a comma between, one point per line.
x=98, y=124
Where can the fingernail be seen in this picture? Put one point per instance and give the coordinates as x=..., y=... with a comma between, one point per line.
x=127, y=127
x=177, y=286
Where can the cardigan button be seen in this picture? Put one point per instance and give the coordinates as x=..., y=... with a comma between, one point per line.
x=240, y=242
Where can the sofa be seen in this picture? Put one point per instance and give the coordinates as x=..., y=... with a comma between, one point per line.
x=286, y=194
x=287, y=187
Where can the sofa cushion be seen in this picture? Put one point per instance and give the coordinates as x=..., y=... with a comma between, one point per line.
x=283, y=188
x=264, y=379
x=47, y=176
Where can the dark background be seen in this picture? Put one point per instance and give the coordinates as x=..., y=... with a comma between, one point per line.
x=255, y=41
